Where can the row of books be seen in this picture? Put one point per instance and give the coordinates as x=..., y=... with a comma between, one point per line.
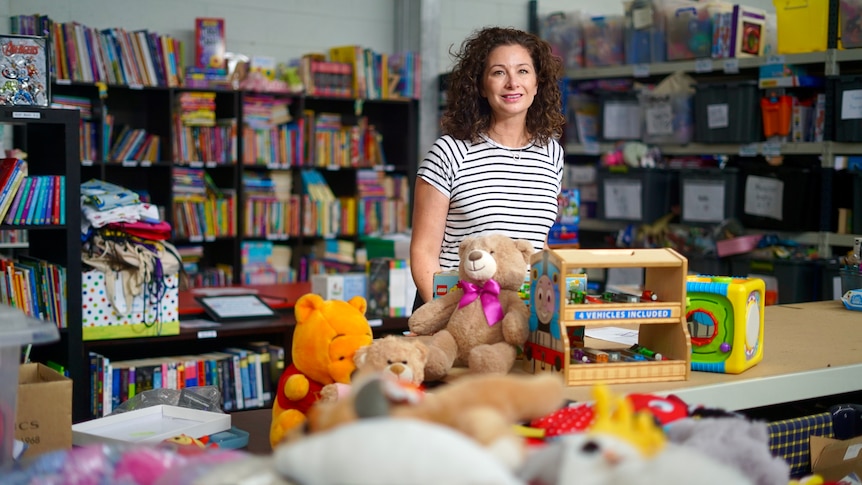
x=36, y=287
x=332, y=143
x=268, y=217
x=264, y=263
x=377, y=75
x=135, y=144
x=29, y=201
x=246, y=376
x=326, y=78
x=204, y=219
x=112, y=55
x=277, y=147
x=205, y=143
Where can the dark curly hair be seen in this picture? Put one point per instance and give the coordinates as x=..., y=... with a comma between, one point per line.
x=468, y=114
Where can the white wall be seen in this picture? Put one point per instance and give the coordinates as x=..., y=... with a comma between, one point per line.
x=286, y=29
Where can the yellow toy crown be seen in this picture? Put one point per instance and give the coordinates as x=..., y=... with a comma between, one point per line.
x=614, y=416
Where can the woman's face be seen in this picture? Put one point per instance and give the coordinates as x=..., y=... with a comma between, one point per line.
x=509, y=82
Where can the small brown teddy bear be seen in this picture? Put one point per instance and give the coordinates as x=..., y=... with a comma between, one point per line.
x=402, y=358
x=482, y=325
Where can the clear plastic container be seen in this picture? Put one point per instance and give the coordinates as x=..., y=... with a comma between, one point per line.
x=604, y=41
x=851, y=23
x=16, y=330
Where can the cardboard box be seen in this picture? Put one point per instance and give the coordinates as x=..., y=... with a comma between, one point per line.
x=44, y=414
x=340, y=286
x=834, y=459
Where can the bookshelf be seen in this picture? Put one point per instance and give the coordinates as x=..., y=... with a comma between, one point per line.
x=50, y=138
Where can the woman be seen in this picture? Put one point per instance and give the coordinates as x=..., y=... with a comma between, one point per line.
x=497, y=167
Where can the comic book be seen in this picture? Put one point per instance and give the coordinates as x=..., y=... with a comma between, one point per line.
x=24, y=78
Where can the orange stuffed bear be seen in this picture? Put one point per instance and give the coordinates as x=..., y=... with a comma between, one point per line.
x=325, y=339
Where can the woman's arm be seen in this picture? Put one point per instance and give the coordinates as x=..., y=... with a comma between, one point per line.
x=430, y=208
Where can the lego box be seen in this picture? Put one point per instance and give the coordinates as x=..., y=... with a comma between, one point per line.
x=43, y=420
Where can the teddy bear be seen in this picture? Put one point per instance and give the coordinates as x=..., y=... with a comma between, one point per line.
x=325, y=340
x=400, y=358
x=482, y=325
x=483, y=407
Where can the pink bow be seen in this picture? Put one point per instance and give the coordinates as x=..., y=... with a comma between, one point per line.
x=488, y=294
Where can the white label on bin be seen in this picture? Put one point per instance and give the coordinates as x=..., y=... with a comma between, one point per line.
x=717, y=116
x=623, y=199
x=659, y=119
x=642, y=18
x=764, y=196
x=851, y=104
x=749, y=150
x=703, y=201
x=622, y=121
x=640, y=70
x=771, y=149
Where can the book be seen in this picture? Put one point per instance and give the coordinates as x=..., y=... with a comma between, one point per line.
x=11, y=174
x=16, y=203
x=26, y=198
x=210, y=42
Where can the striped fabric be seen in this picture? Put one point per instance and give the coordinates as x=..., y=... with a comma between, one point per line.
x=788, y=439
x=492, y=188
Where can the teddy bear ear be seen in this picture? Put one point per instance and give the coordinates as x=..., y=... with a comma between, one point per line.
x=526, y=248
x=359, y=303
x=306, y=304
x=360, y=356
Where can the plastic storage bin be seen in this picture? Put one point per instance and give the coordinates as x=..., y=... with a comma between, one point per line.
x=798, y=281
x=644, y=33
x=689, y=30
x=563, y=31
x=604, y=41
x=848, y=109
x=803, y=25
x=667, y=118
x=708, y=195
x=636, y=194
x=783, y=198
x=727, y=112
x=16, y=330
x=851, y=279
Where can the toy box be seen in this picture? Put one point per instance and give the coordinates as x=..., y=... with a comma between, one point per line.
x=795, y=16
x=667, y=118
x=16, y=330
x=340, y=286
x=725, y=319
x=565, y=228
x=563, y=31
x=390, y=288
x=43, y=420
x=738, y=31
x=645, y=32
x=444, y=282
x=24, y=68
x=150, y=314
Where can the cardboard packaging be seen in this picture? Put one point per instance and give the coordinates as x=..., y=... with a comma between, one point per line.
x=834, y=459
x=44, y=414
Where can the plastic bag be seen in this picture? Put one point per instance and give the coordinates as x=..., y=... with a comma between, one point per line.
x=204, y=398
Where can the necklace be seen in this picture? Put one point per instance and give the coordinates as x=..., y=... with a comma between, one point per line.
x=516, y=155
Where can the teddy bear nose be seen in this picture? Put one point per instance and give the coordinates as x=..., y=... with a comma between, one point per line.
x=397, y=369
x=474, y=255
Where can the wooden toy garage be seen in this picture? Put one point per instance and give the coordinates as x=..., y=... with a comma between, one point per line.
x=558, y=321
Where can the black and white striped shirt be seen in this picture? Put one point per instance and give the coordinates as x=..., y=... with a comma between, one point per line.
x=492, y=188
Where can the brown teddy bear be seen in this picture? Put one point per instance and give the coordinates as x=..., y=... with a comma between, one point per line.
x=401, y=358
x=485, y=323
x=484, y=407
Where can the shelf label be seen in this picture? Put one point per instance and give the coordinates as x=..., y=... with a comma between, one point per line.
x=592, y=147
x=731, y=66
x=86, y=163
x=130, y=163
x=333, y=168
x=703, y=65
x=375, y=322
x=65, y=82
x=749, y=150
x=207, y=334
x=196, y=164
x=196, y=239
x=640, y=70
x=26, y=115
x=211, y=164
x=146, y=163
x=209, y=238
x=136, y=86
x=771, y=148
x=775, y=59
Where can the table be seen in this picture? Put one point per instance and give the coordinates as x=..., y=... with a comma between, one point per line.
x=810, y=350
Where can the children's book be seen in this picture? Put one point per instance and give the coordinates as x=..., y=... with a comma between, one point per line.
x=210, y=42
